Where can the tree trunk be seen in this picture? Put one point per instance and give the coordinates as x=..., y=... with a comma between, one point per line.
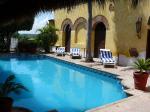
x=89, y=57
x=8, y=42
x=2, y=44
x=47, y=49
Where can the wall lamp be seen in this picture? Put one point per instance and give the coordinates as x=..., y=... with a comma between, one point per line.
x=139, y=27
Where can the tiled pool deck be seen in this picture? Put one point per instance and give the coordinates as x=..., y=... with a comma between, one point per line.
x=138, y=102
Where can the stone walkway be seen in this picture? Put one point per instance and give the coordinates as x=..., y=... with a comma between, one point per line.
x=139, y=101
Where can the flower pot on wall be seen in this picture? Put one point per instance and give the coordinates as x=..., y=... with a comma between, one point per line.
x=140, y=80
x=6, y=104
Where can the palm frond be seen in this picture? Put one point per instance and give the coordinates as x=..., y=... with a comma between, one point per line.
x=10, y=85
x=17, y=9
x=10, y=79
x=142, y=65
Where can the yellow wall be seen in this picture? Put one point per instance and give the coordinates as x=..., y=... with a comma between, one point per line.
x=125, y=28
x=121, y=34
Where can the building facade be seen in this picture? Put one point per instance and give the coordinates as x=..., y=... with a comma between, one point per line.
x=116, y=26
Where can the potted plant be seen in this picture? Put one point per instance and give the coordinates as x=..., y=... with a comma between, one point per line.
x=7, y=87
x=141, y=75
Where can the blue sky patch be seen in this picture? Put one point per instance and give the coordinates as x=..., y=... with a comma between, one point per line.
x=40, y=21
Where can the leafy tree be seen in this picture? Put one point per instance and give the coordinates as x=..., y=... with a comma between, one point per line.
x=7, y=31
x=26, y=42
x=21, y=37
x=47, y=37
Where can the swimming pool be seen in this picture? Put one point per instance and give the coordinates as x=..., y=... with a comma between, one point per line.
x=60, y=85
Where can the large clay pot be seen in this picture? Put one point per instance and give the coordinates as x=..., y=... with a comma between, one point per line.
x=140, y=80
x=6, y=104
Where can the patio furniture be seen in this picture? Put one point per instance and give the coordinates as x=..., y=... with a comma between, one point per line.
x=75, y=53
x=60, y=51
x=106, y=57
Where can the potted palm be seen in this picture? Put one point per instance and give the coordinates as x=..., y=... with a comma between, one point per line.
x=141, y=75
x=7, y=87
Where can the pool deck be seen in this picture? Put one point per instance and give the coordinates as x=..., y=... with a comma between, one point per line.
x=138, y=102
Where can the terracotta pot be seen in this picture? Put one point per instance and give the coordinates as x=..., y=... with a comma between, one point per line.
x=140, y=80
x=6, y=104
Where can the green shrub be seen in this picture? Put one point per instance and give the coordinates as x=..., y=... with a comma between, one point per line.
x=47, y=37
x=142, y=65
x=2, y=47
x=27, y=46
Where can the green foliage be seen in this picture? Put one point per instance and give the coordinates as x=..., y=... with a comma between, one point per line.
x=20, y=37
x=16, y=35
x=27, y=46
x=10, y=86
x=47, y=37
x=26, y=42
x=142, y=65
x=2, y=46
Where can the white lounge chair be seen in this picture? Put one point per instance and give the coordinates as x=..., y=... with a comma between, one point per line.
x=106, y=57
x=75, y=53
x=60, y=51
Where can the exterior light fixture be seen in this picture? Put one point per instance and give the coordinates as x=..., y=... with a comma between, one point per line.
x=138, y=27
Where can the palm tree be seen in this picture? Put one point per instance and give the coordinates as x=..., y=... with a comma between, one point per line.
x=89, y=57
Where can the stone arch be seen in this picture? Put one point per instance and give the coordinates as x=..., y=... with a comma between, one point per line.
x=100, y=18
x=66, y=22
x=80, y=26
x=80, y=20
x=66, y=28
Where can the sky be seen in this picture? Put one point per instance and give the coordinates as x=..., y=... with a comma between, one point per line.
x=39, y=21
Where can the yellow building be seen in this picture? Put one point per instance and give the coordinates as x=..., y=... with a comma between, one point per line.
x=115, y=26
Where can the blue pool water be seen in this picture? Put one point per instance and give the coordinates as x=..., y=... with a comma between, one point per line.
x=56, y=85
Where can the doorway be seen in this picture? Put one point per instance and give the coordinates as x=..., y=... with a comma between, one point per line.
x=148, y=45
x=100, y=35
x=67, y=38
